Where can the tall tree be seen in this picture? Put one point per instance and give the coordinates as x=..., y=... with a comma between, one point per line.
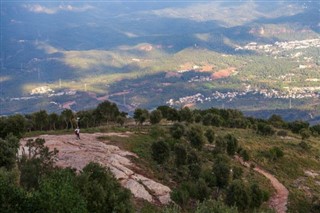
x=8, y=151
x=155, y=117
x=232, y=144
x=14, y=124
x=67, y=116
x=53, y=120
x=180, y=155
x=221, y=170
x=140, y=115
x=210, y=135
x=186, y=115
x=196, y=137
x=177, y=130
x=40, y=119
x=107, y=111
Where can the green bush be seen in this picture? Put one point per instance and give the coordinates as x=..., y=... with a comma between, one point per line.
x=282, y=133
x=177, y=130
x=160, y=151
x=102, y=192
x=304, y=145
x=265, y=129
x=196, y=137
x=214, y=206
x=237, y=195
x=210, y=135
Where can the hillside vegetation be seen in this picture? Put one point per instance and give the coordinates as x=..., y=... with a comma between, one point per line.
x=194, y=152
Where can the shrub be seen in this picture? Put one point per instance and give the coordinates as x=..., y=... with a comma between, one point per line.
x=282, y=133
x=221, y=170
x=214, y=206
x=196, y=137
x=275, y=153
x=237, y=172
x=304, y=145
x=220, y=145
x=210, y=135
x=180, y=155
x=177, y=130
x=237, y=195
x=305, y=133
x=160, y=151
x=155, y=117
x=180, y=195
x=265, y=129
x=277, y=121
x=245, y=155
x=207, y=119
x=256, y=195
x=315, y=130
x=232, y=144
x=102, y=192
x=296, y=126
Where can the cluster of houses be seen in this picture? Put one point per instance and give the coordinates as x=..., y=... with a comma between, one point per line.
x=44, y=91
x=279, y=47
x=291, y=93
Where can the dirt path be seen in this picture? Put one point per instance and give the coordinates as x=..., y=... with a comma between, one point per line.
x=78, y=153
x=280, y=199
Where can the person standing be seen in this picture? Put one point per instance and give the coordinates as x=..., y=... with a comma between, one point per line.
x=77, y=132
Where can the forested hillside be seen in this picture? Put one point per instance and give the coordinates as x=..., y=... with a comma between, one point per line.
x=214, y=160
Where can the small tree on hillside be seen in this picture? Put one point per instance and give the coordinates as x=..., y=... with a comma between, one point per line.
x=186, y=115
x=177, y=130
x=265, y=129
x=256, y=195
x=160, y=151
x=296, y=126
x=221, y=170
x=140, y=115
x=207, y=119
x=8, y=151
x=210, y=135
x=14, y=124
x=237, y=195
x=196, y=137
x=180, y=155
x=217, y=120
x=277, y=121
x=107, y=111
x=67, y=116
x=120, y=120
x=232, y=144
x=102, y=192
x=53, y=120
x=155, y=117
x=41, y=119
x=305, y=133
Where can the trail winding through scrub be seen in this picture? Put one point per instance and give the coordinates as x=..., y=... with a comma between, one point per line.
x=78, y=153
x=279, y=200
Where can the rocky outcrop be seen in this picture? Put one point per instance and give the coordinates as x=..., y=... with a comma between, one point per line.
x=78, y=153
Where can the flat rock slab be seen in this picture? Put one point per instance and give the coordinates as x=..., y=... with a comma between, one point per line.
x=78, y=153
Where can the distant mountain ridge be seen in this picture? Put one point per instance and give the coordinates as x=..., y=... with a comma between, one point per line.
x=121, y=50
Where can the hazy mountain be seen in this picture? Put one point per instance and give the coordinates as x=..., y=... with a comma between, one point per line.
x=71, y=53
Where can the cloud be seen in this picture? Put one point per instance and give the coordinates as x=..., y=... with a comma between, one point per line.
x=37, y=8
x=40, y=9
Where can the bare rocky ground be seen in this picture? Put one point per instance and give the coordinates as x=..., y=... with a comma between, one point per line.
x=280, y=199
x=78, y=153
